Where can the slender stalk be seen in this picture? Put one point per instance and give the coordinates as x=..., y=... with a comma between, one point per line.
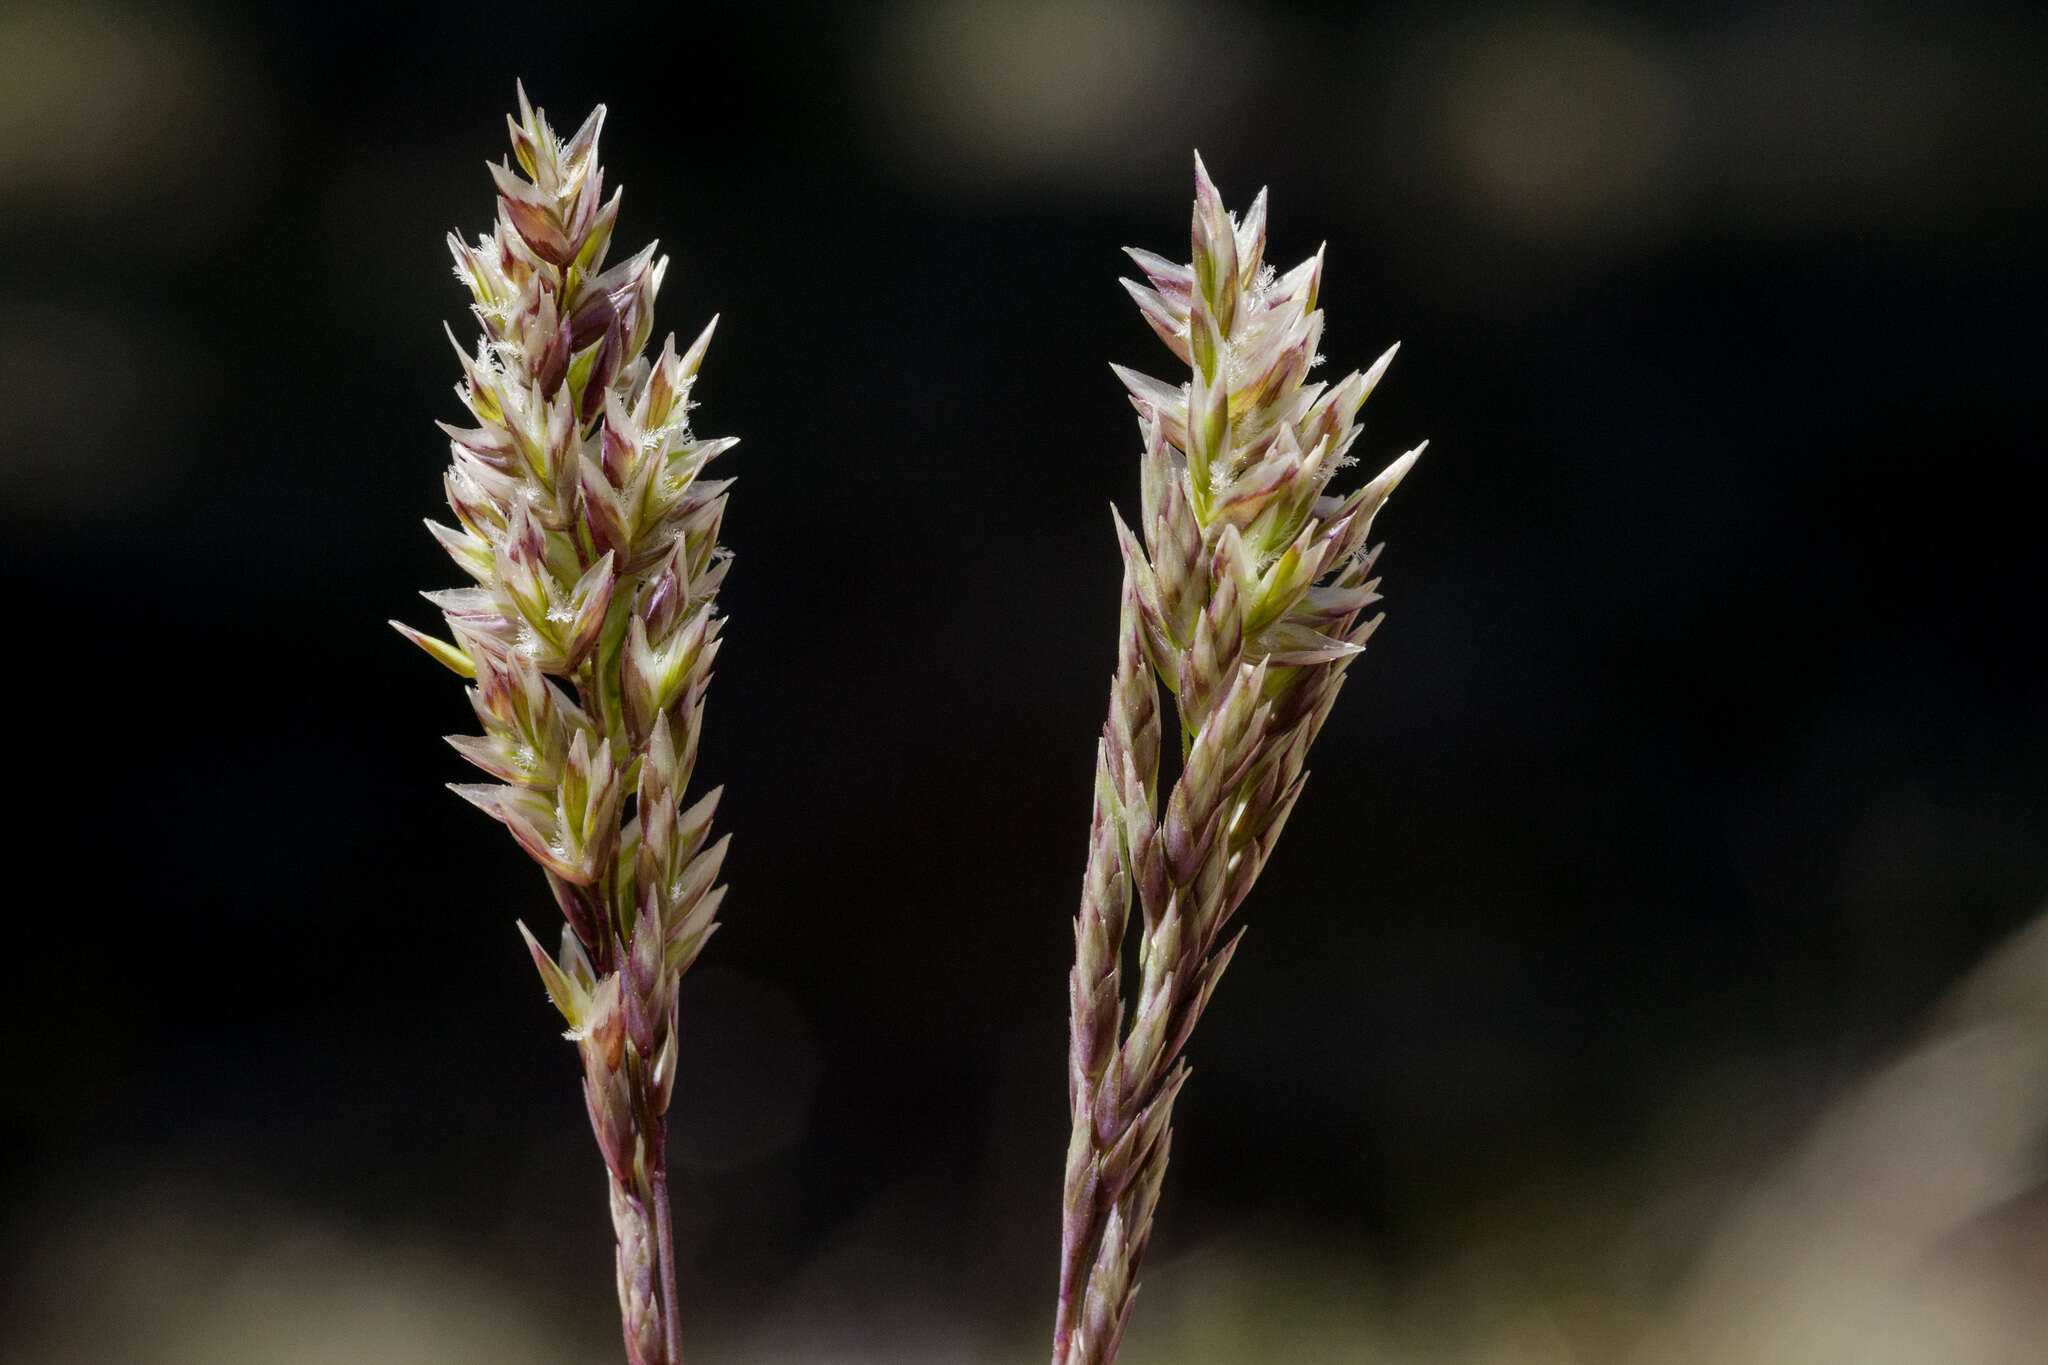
x=1243, y=600
x=593, y=541
x=665, y=1233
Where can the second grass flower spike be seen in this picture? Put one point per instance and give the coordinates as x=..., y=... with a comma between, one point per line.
x=1243, y=598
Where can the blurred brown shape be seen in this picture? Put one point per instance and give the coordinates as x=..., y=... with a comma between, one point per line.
x=1057, y=95
x=143, y=122
x=1565, y=129
x=1910, y=1227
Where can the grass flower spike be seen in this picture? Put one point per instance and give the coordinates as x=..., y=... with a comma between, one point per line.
x=589, y=632
x=1243, y=597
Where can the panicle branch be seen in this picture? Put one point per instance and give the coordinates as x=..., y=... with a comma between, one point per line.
x=1243, y=591
x=589, y=632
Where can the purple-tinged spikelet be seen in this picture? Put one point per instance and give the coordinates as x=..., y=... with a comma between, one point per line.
x=1243, y=597
x=589, y=631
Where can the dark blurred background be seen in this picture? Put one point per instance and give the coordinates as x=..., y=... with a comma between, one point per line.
x=1703, y=750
